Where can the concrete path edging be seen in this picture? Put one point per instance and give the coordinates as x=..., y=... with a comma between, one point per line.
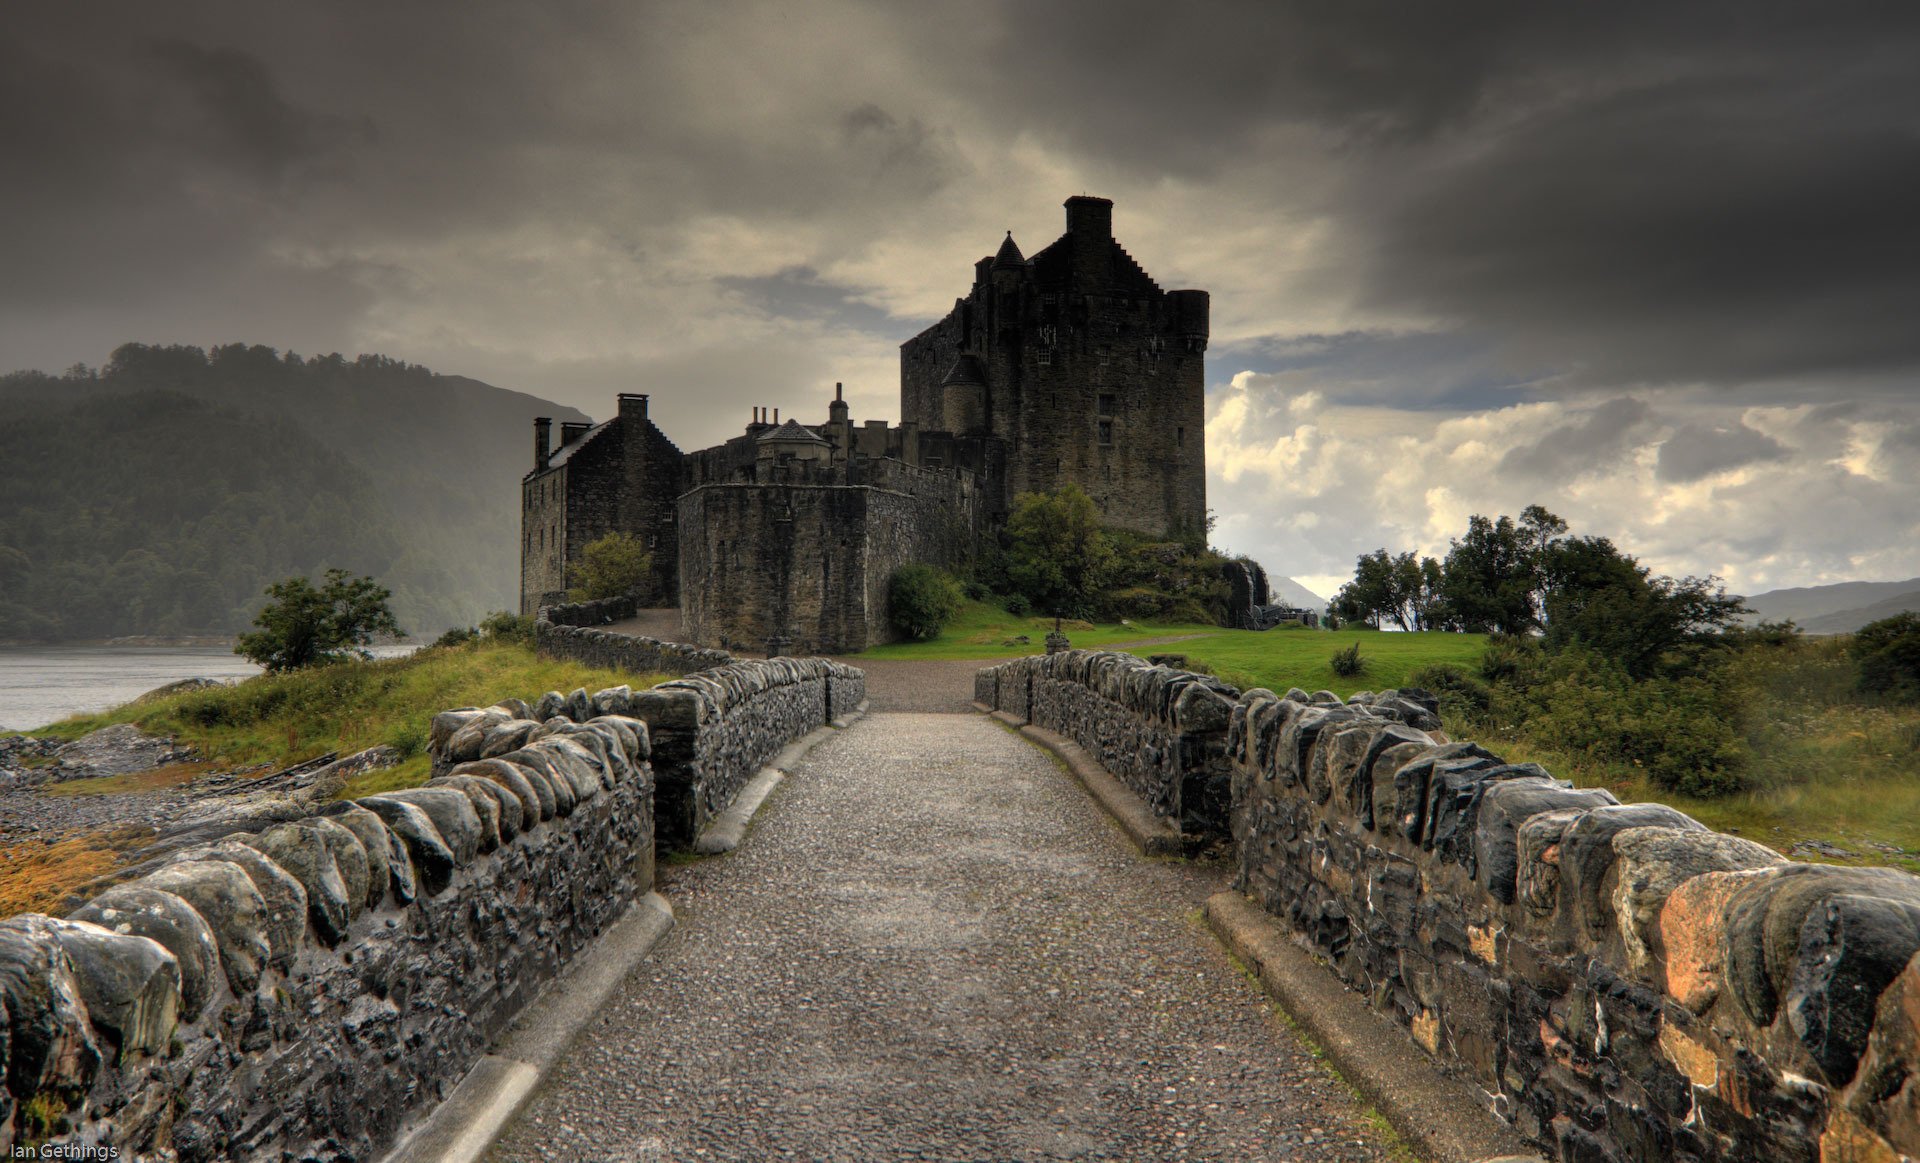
x=466, y=1123
x=853, y=716
x=1151, y=834
x=724, y=832
x=1444, y=1119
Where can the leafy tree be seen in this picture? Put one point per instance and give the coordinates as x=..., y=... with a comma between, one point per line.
x=1057, y=555
x=1492, y=575
x=613, y=566
x=1407, y=590
x=921, y=600
x=1888, y=653
x=1601, y=599
x=308, y=626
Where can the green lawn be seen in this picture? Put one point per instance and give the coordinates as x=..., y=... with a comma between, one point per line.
x=1274, y=658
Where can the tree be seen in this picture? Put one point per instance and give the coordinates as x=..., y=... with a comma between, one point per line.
x=1057, y=554
x=1596, y=597
x=1370, y=596
x=613, y=566
x=307, y=626
x=1492, y=575
x=921, y=600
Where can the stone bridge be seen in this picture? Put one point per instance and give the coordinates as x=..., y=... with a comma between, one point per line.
x=928, y=940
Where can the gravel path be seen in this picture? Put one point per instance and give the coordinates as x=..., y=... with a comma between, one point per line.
x=934, y=946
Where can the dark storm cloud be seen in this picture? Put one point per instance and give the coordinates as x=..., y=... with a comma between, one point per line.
x=1589, y=440
x=1696, y=451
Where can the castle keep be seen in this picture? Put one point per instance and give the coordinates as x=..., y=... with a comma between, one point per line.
x=1071, y=366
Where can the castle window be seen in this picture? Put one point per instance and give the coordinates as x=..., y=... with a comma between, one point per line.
x=1107, y=406
x=1106, y=432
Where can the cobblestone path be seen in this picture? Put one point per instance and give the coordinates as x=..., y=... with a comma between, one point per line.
x=934, y=946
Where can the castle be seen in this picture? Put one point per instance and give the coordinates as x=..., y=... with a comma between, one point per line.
x=1071, y=366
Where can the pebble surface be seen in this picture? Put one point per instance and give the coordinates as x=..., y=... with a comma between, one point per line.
x=933, y=945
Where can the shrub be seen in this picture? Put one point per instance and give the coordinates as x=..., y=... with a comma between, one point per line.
x=1347, y=663
x=308, y=625
x=456, y=636
x=921, y=600
x=506, y=626
x=613, y=566
x=1460, y=693
x=976, y=590
x=1888, y=654
x=1019, y=606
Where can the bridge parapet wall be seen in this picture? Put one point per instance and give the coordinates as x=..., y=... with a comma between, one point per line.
x=297, y=991
x=573, y=632
x=1623, y=983
x=714, y=730
x=1161, y=732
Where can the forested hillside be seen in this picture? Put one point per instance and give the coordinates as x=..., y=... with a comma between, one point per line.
x=162, y=492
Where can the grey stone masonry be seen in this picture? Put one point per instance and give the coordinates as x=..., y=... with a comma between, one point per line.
x=296, y=993
x=572, y=632
x=1619, y=981
x=1161, y=732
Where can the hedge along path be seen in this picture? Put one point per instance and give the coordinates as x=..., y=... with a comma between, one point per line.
x=934, y=942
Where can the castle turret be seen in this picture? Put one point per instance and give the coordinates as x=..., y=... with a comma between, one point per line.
x=1190, y=317
x=542, y=442
x=963, y=394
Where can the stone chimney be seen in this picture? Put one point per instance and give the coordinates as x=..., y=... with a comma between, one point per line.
x=572, y=430
x=542, y=441
x=633, y=406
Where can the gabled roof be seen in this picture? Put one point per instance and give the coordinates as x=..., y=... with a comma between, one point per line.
x=563, y=454
x=790, y=432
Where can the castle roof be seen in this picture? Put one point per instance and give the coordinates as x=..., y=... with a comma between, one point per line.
x=1009, y=254
x=965, y=370
x=792, y=432
x=565, y=452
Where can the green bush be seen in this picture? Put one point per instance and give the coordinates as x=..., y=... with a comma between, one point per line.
x=1888, y=654
x=1347, y=663
x=1460, y=693
x=1019, y=606
x=921, y=600
x=506, y=626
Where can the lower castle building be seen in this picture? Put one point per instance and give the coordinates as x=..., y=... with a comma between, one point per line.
x=1071, y=366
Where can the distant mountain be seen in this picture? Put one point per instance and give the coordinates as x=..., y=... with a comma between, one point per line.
x=163, y=492
x=1847, y=621
x=1289, y=592
x=1836, y=609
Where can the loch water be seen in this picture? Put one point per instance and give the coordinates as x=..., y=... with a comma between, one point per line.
x=44, y=684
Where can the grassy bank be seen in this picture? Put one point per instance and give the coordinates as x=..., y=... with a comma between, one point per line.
x=986, y=631
x=288, y=718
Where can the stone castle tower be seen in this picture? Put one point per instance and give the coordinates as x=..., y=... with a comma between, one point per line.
x=1072, y=366
x=1083, y=368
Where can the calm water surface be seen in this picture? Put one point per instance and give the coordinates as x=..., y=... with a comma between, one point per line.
x=42, y=684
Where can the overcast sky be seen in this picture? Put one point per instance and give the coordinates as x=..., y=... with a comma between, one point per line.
x=1654, y=266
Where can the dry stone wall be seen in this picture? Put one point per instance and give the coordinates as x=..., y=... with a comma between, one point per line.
x=573, y=632
x=1621, y=982
x=297, y=992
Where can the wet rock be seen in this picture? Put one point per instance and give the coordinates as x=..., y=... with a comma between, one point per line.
x=579, y=706
x=517, y=780
x=285, y=917
x=1851, y=948
x=1587, y=855
x=508, y=736
x=446, y=724
x=376, y=845
x=130, y=984
x=460, y=826
x=545, y=771
x=140, y=910
x=50, y=1042
x=226, y=899
x=1503, y=809
x=552, y=705
x=498, y=809
x=302, y=852
x=514, y=708
x=430, y=856
x=349, y=859
x=614, y=700
x=117, y=750
x=1653, y=862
